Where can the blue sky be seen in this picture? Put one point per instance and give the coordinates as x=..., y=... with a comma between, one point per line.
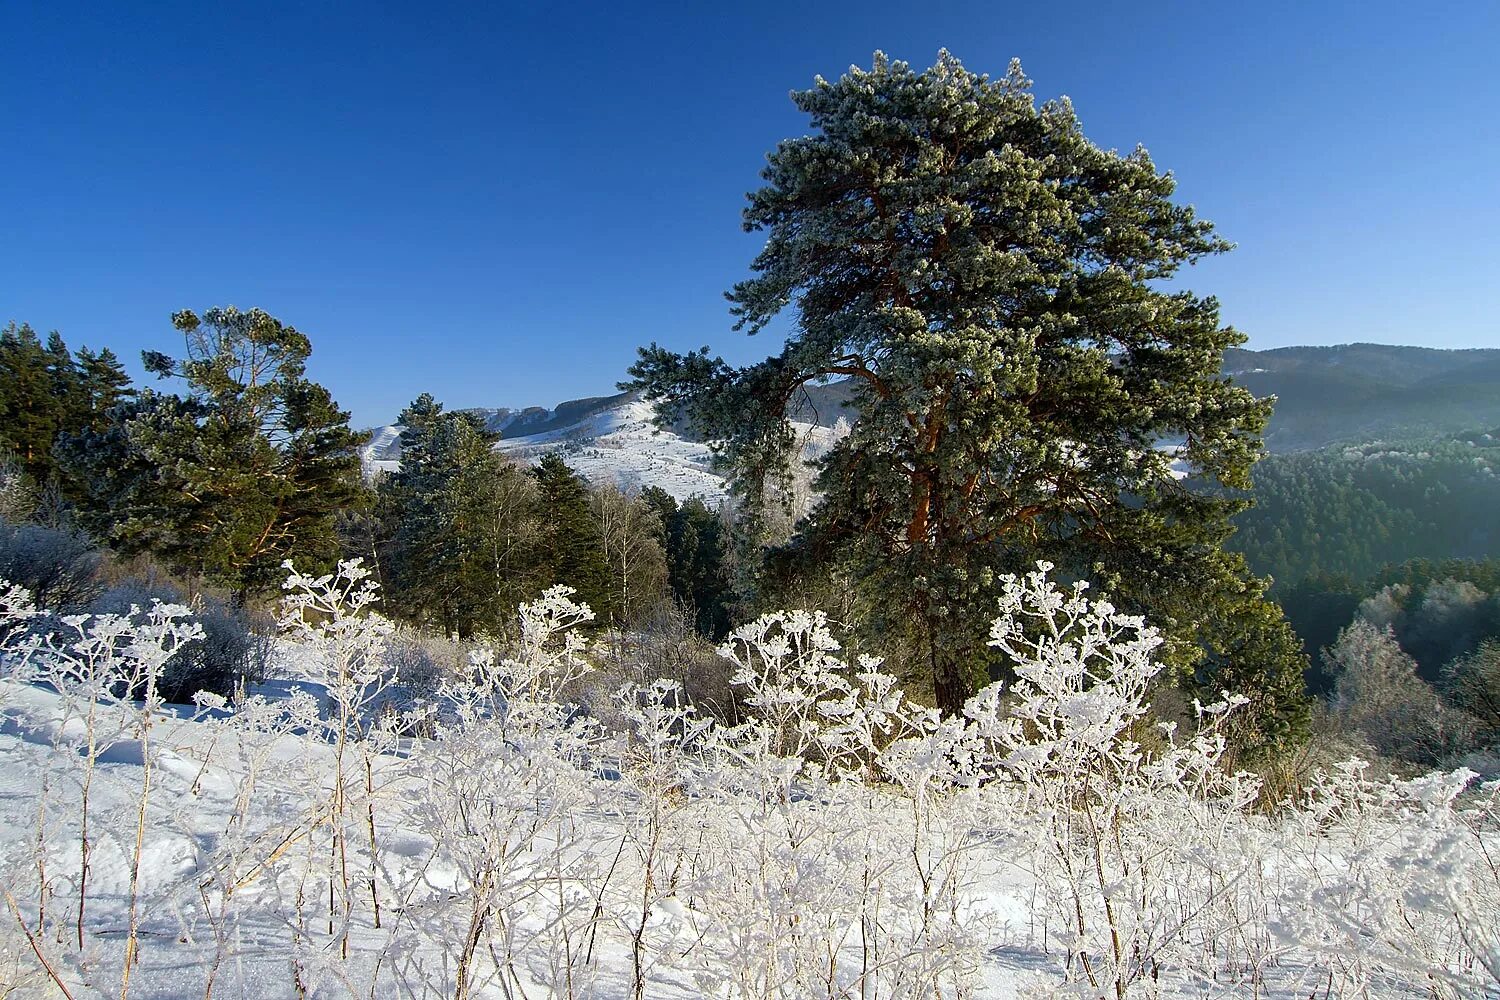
x=498, y=203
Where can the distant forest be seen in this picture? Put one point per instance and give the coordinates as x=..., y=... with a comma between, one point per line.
x=1349, y=510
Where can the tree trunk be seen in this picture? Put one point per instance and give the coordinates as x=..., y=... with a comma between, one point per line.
x=951, y=684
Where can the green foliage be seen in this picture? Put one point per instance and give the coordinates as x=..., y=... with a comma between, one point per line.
x=697, y=549
x=248, y=469
x=104, y=384
x=631, y=535
x=1472, y=682
x=459, y=529
x=992, y=282
x=1354, y=509
x=46, y=392
x=573, y=545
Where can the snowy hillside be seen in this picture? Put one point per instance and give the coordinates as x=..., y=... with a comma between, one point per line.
x=606, y=439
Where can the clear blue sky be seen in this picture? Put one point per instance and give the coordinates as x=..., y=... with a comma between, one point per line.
x=498, y=203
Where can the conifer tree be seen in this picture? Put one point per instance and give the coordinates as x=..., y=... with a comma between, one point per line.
x=248, y=469
x=574, y=548
x=30, y=410
x=992, y=284
x=461, y=522
x=69, y=397
x=697, y=549
x=104, y=384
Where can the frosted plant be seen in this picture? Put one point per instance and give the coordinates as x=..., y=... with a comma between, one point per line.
x=344, y=641
x=1393, y=879
x=841, y=843
x=812, y=703
x=1115, y=875
x=497, y=795
x=238, y=763
x=106, y=671
x=665, y=753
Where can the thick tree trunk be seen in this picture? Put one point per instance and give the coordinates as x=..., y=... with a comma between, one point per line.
x=951, y=683
x=952, y=677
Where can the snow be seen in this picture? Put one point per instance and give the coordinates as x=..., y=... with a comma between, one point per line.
x=307, y=842
x=623, y=446
x=620, y=445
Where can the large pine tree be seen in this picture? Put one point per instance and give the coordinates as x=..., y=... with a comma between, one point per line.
x=996, y=287
x=30, y=409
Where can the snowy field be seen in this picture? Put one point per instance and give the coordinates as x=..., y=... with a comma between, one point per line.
x=340, y=832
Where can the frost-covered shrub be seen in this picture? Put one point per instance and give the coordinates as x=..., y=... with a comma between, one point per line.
x=19, y=496
x=1390, y=882
x=839, y=842
x=1378, y=693
x=234, y=649
x=1472, y=682
x=669, y=645
x=61, y=569
x=424, y=660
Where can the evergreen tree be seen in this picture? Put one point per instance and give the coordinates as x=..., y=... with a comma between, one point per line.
x=462, y=529
x=248, y=469
x=697, y=551
x=991, y=282
x=572, y=543
x=30, y=410
x=104, y=384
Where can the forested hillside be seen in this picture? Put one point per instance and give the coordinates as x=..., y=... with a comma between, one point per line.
x=1353, y=509
x=1355, y=393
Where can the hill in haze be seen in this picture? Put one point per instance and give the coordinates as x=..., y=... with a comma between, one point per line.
x=1361, y=392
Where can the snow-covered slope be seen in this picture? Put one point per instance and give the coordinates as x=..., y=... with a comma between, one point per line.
x=606, y=439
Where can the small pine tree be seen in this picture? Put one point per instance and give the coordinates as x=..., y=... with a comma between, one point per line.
x=574, y=548
x=458, y=525
x=697, y=546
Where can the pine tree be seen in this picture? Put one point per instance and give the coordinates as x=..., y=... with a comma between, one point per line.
x=574, y=548
x=104, y=384
x=461, y=525
x=30, y=409
x=68, y=393
x=991, y=283
x=696, y=540
x=248, y=469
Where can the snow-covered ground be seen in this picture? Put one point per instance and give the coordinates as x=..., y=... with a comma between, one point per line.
x=622, y=445
x=339, y=834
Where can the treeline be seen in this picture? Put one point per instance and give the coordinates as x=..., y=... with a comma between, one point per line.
x=1354, y=510
x=244, y=467
x=1386, y=560
x=460, y=535
x=48, y=392
x=250, y=464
